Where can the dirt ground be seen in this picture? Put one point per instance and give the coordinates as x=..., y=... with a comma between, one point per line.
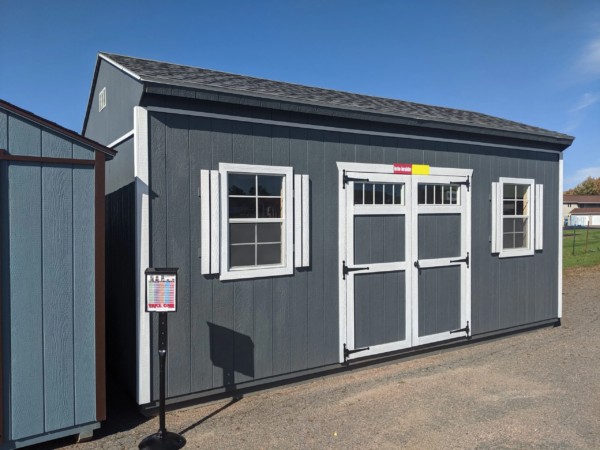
x=537, y=390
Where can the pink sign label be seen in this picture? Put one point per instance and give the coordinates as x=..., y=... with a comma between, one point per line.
x=405, y=169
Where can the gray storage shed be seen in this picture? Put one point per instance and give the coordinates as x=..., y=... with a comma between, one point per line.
x=52, y=280
x=314, y=230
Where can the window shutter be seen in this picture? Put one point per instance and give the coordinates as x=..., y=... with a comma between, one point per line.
x=496, y=218
x=539, y=216
x=210, y=231
x=301, y=221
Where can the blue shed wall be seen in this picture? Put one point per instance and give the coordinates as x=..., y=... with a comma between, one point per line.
x=291, y=322
x=48, y=300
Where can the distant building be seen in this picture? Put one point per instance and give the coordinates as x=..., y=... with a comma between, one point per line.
x=579, y=209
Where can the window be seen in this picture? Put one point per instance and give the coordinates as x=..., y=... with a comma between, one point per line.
x=257, y=222
x=516, y=214
x=438, y=194
x=378, y=194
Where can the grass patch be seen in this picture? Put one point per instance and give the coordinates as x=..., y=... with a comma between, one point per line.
x=580, y=258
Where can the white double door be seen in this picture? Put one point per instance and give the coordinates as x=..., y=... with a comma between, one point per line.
x=405, y=261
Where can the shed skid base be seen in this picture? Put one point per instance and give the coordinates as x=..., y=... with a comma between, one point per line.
x=85, y=436
x=168, y=441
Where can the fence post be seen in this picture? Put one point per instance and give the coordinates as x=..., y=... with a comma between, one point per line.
x=574, y=232
x=587, y=235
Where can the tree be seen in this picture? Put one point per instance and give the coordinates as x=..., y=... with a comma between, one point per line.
x=589, y=186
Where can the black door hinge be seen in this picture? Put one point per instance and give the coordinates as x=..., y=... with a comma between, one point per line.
x=346, y=270
x=347, y=352
x=462, y=260
x=348, y=179
x=465, y=329
x=467, y=182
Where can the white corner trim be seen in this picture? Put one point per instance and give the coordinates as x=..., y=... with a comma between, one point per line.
x=142, y=251
x=560, y=234
x=121, y=139
x=186, y=112
x=288, y=232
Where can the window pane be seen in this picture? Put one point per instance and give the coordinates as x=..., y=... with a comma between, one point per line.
x=241, y=184
x=241, y=255
x=241, y=233
x=509, y=208
x=522, y=207
x=508, y=225
x=242, y=208
x=454, y=195
x=519, y=240
x=421, y=194
x=269, y=208
x=379, y=194
x=388, y=194
x=398, y=194
x=508, y=241
x=429, y=194
x=268, y=253
x=368, y=194
x=270, y=185
x=446, y=191
x=438, y=194
x=358, y=193
x=268, y=232
x=522, y=191
x=521, y=225
x=509, y=191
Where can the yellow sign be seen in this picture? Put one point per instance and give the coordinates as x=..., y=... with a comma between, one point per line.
x=420, y=169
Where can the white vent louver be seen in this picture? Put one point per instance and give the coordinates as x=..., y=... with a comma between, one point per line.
x=102, y=100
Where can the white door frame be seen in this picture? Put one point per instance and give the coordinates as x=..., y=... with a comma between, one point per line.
x=346, y=320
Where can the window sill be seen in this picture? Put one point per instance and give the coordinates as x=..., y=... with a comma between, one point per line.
x=516, y=253
x=241, y=274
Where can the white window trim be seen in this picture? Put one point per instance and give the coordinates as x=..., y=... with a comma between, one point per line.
x=287, y=240
x=513, y=253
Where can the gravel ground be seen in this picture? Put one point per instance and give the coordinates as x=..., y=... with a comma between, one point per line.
x=538, y=390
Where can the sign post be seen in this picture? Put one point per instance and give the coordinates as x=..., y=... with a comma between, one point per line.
x=161, y=297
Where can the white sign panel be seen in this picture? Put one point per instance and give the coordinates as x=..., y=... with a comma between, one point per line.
x=161, y=292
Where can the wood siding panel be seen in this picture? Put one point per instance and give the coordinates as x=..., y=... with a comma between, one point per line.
x=57, y=276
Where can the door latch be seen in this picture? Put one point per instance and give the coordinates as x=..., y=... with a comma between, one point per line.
x=465, y=329
x=462, y=260
x=467, y=182
x=348, y=352
x=348, y=179
x=346, y=270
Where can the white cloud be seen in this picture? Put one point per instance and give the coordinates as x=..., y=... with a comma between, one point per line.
x=587, y=100
x=589, y=62
x=573, y=180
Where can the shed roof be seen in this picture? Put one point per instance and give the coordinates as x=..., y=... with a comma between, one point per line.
x=56, y=127
x=162, y=72
x=585, y=211
x=581, y=198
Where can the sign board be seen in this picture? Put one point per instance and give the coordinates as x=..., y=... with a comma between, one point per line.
x=161, y=290
x=411, y=169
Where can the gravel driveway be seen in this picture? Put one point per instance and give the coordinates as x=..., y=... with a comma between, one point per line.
x=538, y=390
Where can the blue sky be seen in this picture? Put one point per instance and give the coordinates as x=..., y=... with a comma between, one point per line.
x=536, y=62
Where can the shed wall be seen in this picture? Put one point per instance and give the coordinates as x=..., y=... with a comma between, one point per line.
x=288, y=324
x=48, y=300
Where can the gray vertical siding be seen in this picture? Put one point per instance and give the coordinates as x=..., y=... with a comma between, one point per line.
x=379, y=239
x=439, y=235
x=439, y=300
x=48, y=298
x=237, y=331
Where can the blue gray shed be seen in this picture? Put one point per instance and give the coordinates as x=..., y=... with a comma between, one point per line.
x=52, y=280
x=314, y=230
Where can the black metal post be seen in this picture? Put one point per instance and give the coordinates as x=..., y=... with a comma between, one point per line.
x=163, y=440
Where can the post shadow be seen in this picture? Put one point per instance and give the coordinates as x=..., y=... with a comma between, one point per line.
x=232, y=352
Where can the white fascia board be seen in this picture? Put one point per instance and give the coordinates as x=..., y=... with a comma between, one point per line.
x=341, y=130
x=142, y=251
x=119, y=66
x=121, y=139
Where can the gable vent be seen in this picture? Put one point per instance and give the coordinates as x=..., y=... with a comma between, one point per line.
x=102, y=100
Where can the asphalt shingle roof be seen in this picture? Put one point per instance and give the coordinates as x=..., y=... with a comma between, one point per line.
x=156, y=71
